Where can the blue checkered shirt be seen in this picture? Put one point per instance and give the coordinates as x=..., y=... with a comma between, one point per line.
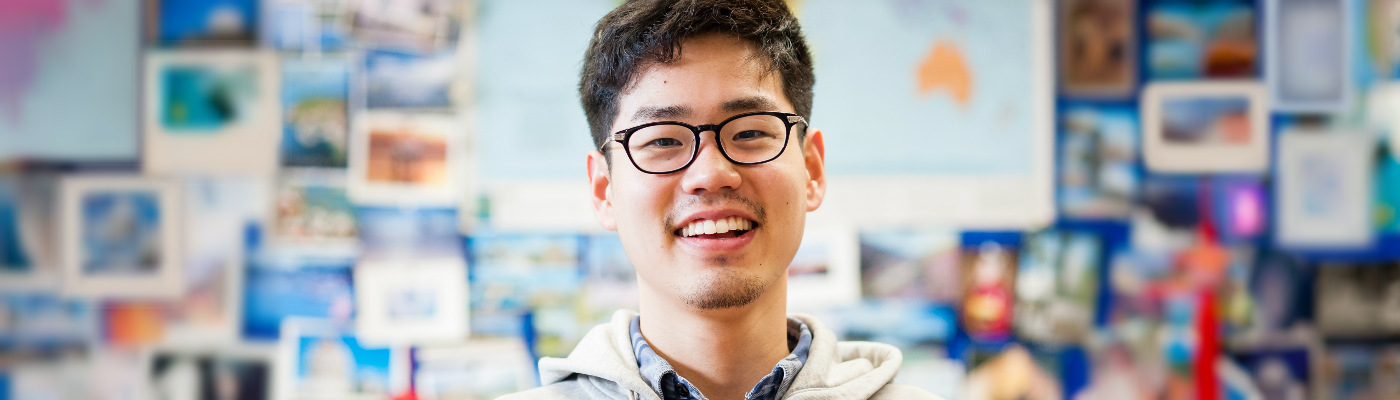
x=671, y=386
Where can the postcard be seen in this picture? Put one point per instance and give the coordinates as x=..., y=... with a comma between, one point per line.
x=1382, y=44
x=1057, y=286
x=45, y=320
x=409, y=80
x=409, y=24
x=989, y=287
x=314, y=211
x=1196, y=127
x=1281, y=372
x=1358, y=301
x=391, y=233
x=183, y=23
x=1309, y=46
x=1098, y=156
x=310, y=26
x=318, y=359
x=1359, y=371
x=28, y=255
x=211, y=112
x=412, y=301
x=226, y=371
x=609, y=280
x=479, y=369
x=825, y=272
x=278, y=285
x=315, y=112
x=1098, y=49
x=902, y=264
x=407, y=159
x=515, y=272
x=121, y=236
x=1323, y=189
x=1189, y=40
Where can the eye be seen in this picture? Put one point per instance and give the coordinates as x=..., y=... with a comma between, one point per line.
x=752, y=134
x=663, y=142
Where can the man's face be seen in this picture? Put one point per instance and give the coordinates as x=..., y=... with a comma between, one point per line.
x=717, y=76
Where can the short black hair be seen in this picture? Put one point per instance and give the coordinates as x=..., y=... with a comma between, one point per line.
x=644, y=31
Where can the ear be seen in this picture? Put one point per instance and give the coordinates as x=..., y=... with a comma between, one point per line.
x=814, y=157
x=600, y=185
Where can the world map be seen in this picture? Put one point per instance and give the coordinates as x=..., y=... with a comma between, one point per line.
x=68, y=79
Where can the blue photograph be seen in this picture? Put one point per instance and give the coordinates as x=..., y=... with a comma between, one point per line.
x=306, y=25
x=14, y=257
x=315, y=117
x=409, y=80
x=121, y=233
x=1098, y=176
x=196, y=22
x=342, y=365
x=275, y=289
x=1193, y=40
x=205, y=100
x=1203, y=120
x=411, y=232
x=513, y=272
x=44, y=320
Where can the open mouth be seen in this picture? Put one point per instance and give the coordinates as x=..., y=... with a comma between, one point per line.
x=722, y=228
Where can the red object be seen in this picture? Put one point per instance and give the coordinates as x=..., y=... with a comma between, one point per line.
x=1208, y=330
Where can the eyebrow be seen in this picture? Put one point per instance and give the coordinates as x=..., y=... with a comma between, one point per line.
x=755, y=103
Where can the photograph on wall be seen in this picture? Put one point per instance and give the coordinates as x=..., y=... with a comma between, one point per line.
x=1323, y=189
x=825, y=272
x=278, y=286
x=1098, y=48
x=988, y=290
x=1360, y=372
x=407, y=80
x=45, y=320
x=1098, y=157
x=311, y=26
x=314, y=211
x=1280, y=372
x=609, y=279
x=1358, y=301
x=1057, y=286
x=910, y=265
x=315, y=112
x=1197, y=127
x=396, y=233
x=1309, y=55
x=476, y=369
x=411, y=301
x=121, y=236
x=407, y=24
x=1381, y=44
x=28, y=255
x=319, y=359
x=1188, y=40
x=513, y=273
x=188, y=23
x=406, y=158
x=211, y=112
x=242, y=372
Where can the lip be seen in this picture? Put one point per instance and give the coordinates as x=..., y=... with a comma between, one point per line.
x=717, y=245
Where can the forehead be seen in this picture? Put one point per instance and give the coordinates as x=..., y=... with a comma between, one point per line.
x=714, y=76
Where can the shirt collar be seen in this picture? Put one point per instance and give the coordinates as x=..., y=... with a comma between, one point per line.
x=662, y=378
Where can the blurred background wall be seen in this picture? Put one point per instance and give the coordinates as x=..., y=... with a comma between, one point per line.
x=1033, y=199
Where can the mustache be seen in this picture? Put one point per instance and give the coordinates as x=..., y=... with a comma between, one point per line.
x=713, y=198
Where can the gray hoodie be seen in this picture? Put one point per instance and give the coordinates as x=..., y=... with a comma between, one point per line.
x=603, y=366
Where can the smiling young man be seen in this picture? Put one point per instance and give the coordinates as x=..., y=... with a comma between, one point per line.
x=706, y=167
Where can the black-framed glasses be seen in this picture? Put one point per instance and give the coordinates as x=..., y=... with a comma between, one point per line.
x=745, y=139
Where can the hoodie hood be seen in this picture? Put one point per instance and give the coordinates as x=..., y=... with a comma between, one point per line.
x=604, y=362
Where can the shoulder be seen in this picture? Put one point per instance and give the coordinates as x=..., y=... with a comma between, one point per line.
x=897, y=391
x=567, y=389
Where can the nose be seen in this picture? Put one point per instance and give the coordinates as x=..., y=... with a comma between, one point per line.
x=710, y=171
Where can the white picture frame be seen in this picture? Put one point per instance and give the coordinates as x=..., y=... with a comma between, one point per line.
x=401, y=131
x=1323, y=190
x=839, y=285
x=129, y=200
x=385, y=291
x=1308, y=54
x=1161, y=154
x=244, y=144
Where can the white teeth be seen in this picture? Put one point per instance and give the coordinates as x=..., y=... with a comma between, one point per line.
x=708, y=227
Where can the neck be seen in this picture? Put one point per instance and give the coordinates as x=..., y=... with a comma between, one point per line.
x=723, y=352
